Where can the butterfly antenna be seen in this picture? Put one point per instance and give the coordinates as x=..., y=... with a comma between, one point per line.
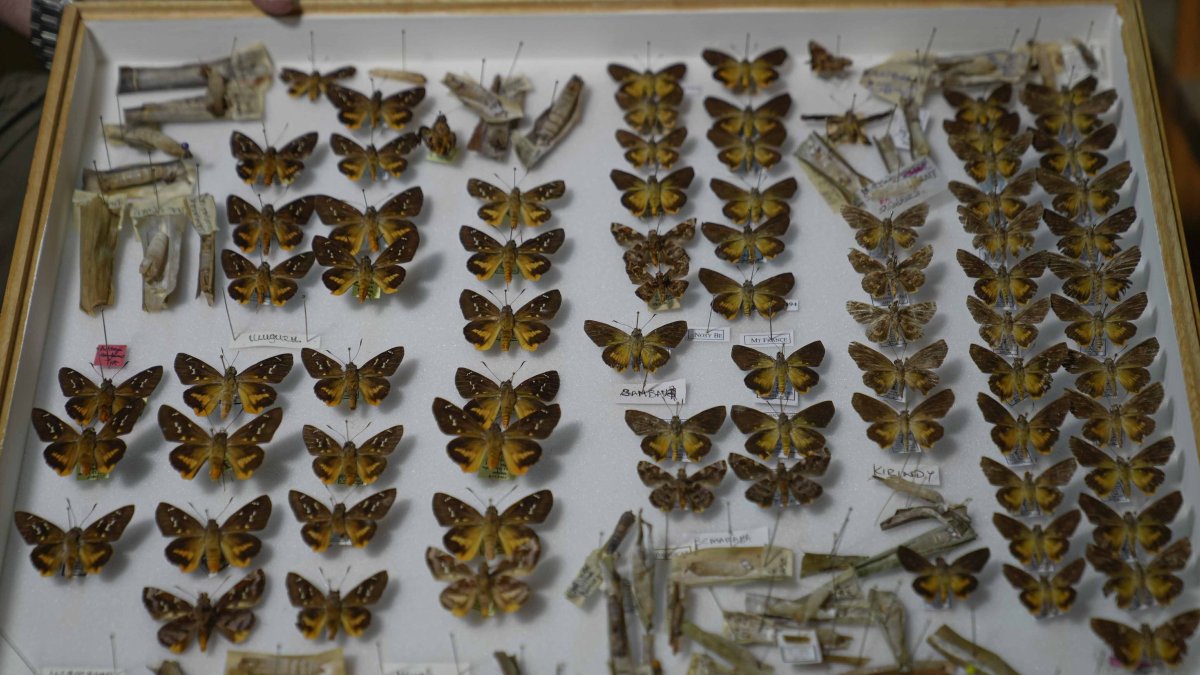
x=506, y=494
x=359, y=350
x=514, y=373
x=488, y=368
x=224, y=508
x=266, y=139
x=198, y=513
x=478, y=498
x=70, y=515
x=89, y=515
x=344, y=576
x=368, y=426
x=513, y=65
x=620, y=323
x=312, y=50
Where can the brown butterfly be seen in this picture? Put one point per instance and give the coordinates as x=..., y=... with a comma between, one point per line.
x=515, y=208
x=87, y=452
x=503, y=401
x=892, y=277
x=876, y=234
x=655, y=247
x=1008, y=236
x=1022, y=377
x=778, y=374
x=475, y=446
x=355, y=109
x=76, y=551
x=377, y=228
x=365, y=278
x=1089, y=283
x=283, y=165
x=783, y=434
x=1006, y=329
x=676, y=439
x=210, y=387
x=89, y=401
x=984, y=111
x=782, y=485
x=825, y=64
x=1008, y=201
x=1095, y=195
x=754, y=205
x=1135, y=585
x=348, y=463
x=1069, y=109
x=849, y=127
x=256, y=227
x=768, y=297
x=1135, y=648
x=488, y=324
x=750, y=121
x=738, y=153
x=893, y=323
x=528, y=258
x=492, y=533
x=1037, y=547
x=750, y=244
x=1104, y=377
x=682, y=491
x=939, y=581
x=314, y=84
x=656, y=152
x=636, y=350
x=745, y=75
x=1120, y=533
x=1022, y=495
x=661, y=290
x=1004, y=285
x=230, y=615
x=1090, y=241
x=992, y=164
x=1003, y=126
x=1088, y=329
x=486, y=588
x=357, y=523
x=886, y=375
x=1024, y=435
x=374, y=163
x=1046, y=595
x=263, y=284
x=1111, y=426
x=648, y=83
x=652, y=198
x=893, y=428
x=230, y=543
x=651, y=115
x=440, y=139
x=1111, y=474
x=236, y=452
x=1075, y=158
x=321, y=613
x=336, y=383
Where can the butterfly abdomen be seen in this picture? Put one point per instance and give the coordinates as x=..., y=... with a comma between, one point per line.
x=212, y=547
x=352, y=381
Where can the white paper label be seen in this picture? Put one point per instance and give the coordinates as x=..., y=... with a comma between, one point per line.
x=738, y=538
x=798, y=646
x=80, y=671
x=708, y=335
x=426, y=669
x=759, y=339
x=915, y=182
x=274, y=339
x=926, y=474
x=653, y=393
x=900, y=130
x=793, y=305
x=672, y=551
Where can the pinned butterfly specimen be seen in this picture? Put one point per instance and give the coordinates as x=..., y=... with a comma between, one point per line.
x=230, y=615
x=1147, y=645
x=87, y=452
x=992, y=164
x=892, y=428
x=1115, y=474
x=985, y=111
x=749, y=122
x=885, y=375
x=1005, y=329
x=488, y=324
x=655, y=247
x=1089, y=283
x=314, y=84
x=238, y=452
x=527, y=258
x=257, y=228
x=336, y=383
x=682, y=491
x=1024, y=434
x=749, y=244
x=1004, y=125
x=1046, y=595
x=652, y=198
x=322, y=613
x=504, y=401
x=1075, y=158
x=486, y=588
x=657, y=152
x=440, y=139
x=767, y=297
x=1105, y=377
x=892, y=277
x=492, y=533
x=745, y=75
x=1069, y=110
x=651, y=115
x=1008, y=201
x=1022, y=377
x=1004, y=285
x=356, y=109
x=377, y=228
x=358, y=523
x=76, y=551
x=777, y=375
x=662, y=290
x=364, y=278
x=676, y=439
x=88, y=401
x=1037, y=547
x=1026, y=494
x=1111, y=426
x=783, y=434
x=739, y=153
x=1008, y=237
x=893, y=323
x=885, y=234
x=648, y=83
x=254, y=165
x=635, y=350
x=515, y=208
x=1089, y=329
x=263, y=284
x=1091, y=195
x=372, y=162
x=348, y=463
x=782, y=485
x=1122, y=533
x=754, y=205
x=848, y=128
x=938, y=581
x=824, y=63
x=1090, y=241
x=230, y=543
x=475, y=445
x=210, y=388
x=1135, y=585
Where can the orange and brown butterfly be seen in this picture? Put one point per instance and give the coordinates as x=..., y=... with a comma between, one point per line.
x=366, y=279
x=657, y=152
x=349, y=463
x=1075, y=158
x=1068, y=109
x=515, y=207
x=493, y=533
x=486, y=588
x=76, y=551
x=1091, y=195
x=1024, y=434
x=377, y=228
x=1004, y=285
x=475, y=446
x=1037, y=547
x=1022, y=377
x=648, y=116
x=992, y=164
x=1122, y=533
x=262, y=283
x=680, y=491
x=745, y=75
x=505, y=401
x=750, y=121
x=333, y=612
x=749, y=244
x=782, y=485
x=230, y=615
x=754, y=205
x=676, y=439
x=662, y=290
x=210, y=388
x=939, y=582
x=653, y=197
x=1146, y=645
x=372, y=162
x=527, y=258
x=237, y=452
x=440, y=139
x=1004, y=329
x=885, y=234
x=322, y=524
x=739, y=153
x=313, y=84
x=891, y=428
x=984, y=111
x=336, y=382
x=848, y=128
x=656, y=247
x=257, y=228
x=87, y=451
x=1117, y=474
x=1089, y=283
x=824, y=63
x=1046, y=595
x=356, y=109
x=1131, y=419
x=1135, y=585
x=1088, y=328
x=992, y=138
x=635, y=350
x=777, y=375
x=648, y=83
x=885, y=375
x=767, y=297
x=270, y=166
x=216, y=545
x=891, y=277
x=88, y=401
x=894, y=322
x=1105, y=377
x=488, y=325
x=782, y=434
x=1025, y=494
x=1090, y=241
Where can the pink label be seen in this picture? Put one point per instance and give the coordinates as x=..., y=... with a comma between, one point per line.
x=110, y=356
